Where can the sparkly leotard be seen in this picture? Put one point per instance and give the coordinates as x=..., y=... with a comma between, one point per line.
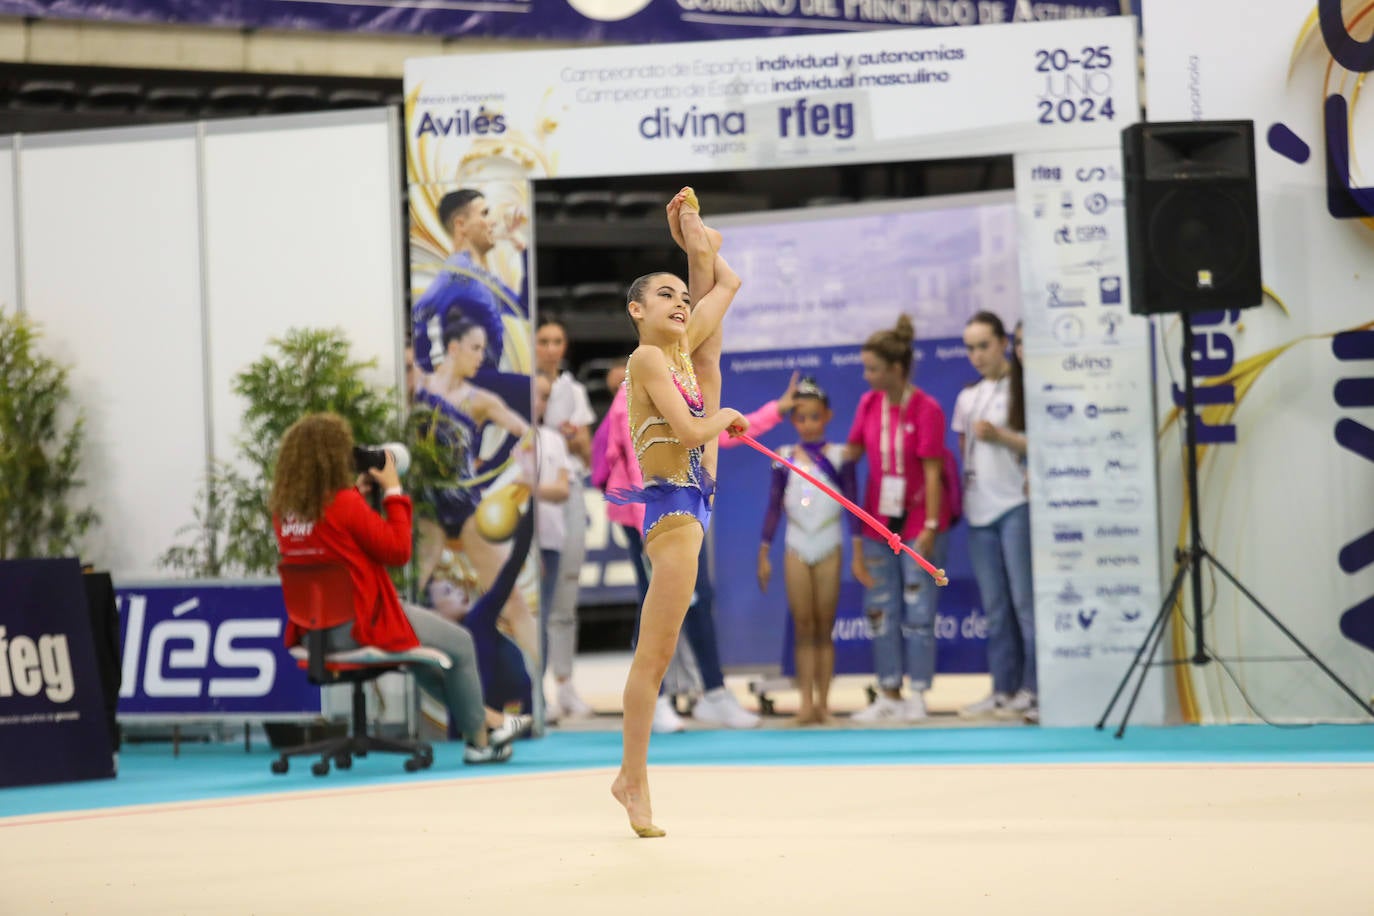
x=677, y=489
x=813, y=519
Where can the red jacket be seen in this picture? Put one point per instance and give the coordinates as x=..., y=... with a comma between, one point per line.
x=352, y=534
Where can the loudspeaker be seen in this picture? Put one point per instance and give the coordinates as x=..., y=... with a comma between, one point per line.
x=1192, y=216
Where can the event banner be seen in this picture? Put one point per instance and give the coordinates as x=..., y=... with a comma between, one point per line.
x=1287, y=456
x=820, y=282
x=572, y=20
x=1089, y=416
x=202, y=650
x=52, y=704
x=470, y=413
x=888, y=96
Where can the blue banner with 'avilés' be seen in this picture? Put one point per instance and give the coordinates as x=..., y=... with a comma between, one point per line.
x=207, y=649
x=572, y=20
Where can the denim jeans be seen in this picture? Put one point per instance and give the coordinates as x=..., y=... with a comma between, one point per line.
x=459, y=688
x=548, y=585
x=1001, y=556
x=900, y=608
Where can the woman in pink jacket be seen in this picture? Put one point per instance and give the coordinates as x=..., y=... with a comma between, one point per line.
x=913, y=486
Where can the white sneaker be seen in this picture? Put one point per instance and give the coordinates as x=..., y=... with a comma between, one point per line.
x=914, y=708
x=572, y=705
x=883, y=709
x=1018, y=705
x=666, y=719
x=492, y=753
x=989, y=705
x=511, y=727
x=719, y=707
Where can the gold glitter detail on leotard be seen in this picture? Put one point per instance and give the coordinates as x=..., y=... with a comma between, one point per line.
x=663, y=459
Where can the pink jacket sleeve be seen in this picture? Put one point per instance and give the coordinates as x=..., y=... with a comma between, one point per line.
x=601, y=466
x=760, y=422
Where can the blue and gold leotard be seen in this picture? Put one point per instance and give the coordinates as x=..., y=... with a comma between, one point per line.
x=677, y=489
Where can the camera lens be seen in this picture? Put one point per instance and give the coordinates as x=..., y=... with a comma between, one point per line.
x=400, y=454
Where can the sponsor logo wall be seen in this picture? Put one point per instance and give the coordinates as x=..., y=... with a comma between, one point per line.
x=1089, y=414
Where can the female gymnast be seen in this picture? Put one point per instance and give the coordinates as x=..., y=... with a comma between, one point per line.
x=672, y=426
x=811, y=566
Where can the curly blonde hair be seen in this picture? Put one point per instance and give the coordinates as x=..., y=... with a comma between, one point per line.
x=314, y=462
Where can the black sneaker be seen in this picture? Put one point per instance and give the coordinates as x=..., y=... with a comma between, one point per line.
x=492, y=753
x=511, y=728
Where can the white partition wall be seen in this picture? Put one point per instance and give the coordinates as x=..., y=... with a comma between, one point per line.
x=160, y=261
x=9, y=262
x=112, y=273
x=301, y=231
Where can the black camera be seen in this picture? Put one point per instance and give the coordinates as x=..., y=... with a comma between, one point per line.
x=373, y=457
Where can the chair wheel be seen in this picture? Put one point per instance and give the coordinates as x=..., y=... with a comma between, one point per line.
x=320, y=767
x=414, y=763
x=427, y=753
x=280, y=766
x=343, y=762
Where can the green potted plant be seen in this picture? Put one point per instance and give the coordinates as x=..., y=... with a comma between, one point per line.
x=304, y=371
x=40, y=449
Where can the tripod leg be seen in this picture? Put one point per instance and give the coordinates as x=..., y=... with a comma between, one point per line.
x=1158, y=624
x=1144, y=670
x=1289, y=633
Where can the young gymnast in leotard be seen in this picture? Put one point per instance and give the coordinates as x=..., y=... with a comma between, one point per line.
x=814, y=541
x=671, y=423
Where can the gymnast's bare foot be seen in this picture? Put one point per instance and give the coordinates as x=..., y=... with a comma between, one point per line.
x=677, y=211
x=636, y=802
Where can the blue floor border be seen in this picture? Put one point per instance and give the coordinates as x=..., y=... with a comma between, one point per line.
x=150, y=774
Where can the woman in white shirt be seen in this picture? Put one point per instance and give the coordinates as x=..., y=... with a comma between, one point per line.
x=990, y=418
x=569, y=413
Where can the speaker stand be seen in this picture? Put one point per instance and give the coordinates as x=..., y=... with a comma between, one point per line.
x=1188, y=564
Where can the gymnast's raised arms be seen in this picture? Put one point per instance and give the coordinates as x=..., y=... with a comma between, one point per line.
x=649, y=368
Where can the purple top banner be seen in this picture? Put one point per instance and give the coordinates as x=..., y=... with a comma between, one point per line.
x=629, y=21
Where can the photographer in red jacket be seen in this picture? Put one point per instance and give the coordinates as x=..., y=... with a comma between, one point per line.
x=321, y=516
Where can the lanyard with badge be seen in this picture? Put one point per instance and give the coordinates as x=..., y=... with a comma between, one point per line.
x=892, y=490
x=970, y=439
